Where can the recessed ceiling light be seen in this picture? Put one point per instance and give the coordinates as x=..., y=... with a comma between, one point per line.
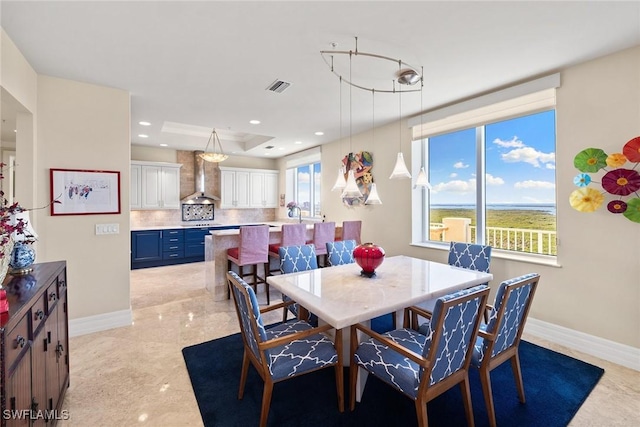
x=298, y=142
x=267, y=154
x=142, y=135
x=280, y=148
x=254, y=122
x=164, y=145
x=319, y=133
x=15, y=130
x=144, y=123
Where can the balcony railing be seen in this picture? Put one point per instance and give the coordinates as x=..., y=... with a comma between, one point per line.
x=512, y=239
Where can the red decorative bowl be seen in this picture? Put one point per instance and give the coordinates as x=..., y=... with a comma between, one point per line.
x=369, y=256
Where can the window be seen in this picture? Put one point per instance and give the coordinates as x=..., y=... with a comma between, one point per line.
x=492, y=182
x=303, y=181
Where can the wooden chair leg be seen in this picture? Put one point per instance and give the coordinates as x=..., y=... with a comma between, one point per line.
x=255, y=278
x=466, y=400
x=517, y=375
x=266, y=402
x=353, y=369
x=266, y=285
x=243, y=373
x=339, y=370
x=485, y=380
x=421, y=412
x=229, y=265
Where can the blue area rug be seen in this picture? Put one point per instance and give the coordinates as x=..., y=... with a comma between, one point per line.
x=555, y=387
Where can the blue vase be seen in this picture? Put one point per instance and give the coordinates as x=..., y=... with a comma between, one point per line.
x=22, y=258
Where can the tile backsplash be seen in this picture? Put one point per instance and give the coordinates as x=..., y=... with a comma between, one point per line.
x=170, y=217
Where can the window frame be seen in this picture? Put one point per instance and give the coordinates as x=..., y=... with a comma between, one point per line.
x=315, y=195
x=420, y=229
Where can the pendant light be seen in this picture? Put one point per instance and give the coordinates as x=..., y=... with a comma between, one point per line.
x=400, y=170
x=351, y=190
x=340, y=183
x=373, y=198
x=214, y=156
x=421, y=180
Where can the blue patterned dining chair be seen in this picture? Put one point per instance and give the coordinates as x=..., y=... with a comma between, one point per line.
x=423, y=366
x=284, y=351
x=293, y=259
x=341, y=252
x=466, y=255
x=499, y=339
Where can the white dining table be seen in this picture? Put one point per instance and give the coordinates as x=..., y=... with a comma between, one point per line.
x=341, y=296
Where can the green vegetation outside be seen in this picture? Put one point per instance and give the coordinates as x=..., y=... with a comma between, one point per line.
x=516, y=219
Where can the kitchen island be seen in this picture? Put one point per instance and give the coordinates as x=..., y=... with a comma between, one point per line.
x=216, y=245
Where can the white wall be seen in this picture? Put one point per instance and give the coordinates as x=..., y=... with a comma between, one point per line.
x=597, y=288
x=83, y=126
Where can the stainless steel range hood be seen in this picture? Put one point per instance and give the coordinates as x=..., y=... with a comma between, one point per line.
x=200, y=196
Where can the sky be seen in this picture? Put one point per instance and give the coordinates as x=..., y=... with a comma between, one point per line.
x=520, y=163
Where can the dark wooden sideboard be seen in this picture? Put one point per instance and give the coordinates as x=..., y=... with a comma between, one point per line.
x=34, y=344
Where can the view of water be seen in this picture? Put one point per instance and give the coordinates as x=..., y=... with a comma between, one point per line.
x=549, y=208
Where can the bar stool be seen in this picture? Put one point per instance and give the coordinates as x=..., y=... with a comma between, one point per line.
x=292, y=235
x=351, y=231
x=253, y=249
x=323, y=232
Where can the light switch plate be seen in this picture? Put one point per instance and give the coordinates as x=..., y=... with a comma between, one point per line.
x=107, y=229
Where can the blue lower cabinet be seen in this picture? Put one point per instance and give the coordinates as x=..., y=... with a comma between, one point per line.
x=146, y=246
x=155, y=248
x=194, y=242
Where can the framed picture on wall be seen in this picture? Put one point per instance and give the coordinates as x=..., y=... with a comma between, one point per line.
x=85, y=192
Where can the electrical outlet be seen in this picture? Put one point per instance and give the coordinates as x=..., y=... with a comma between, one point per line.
x=107, y=229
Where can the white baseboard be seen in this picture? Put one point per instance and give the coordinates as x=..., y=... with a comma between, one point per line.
x=100, y=322
x=612, y=351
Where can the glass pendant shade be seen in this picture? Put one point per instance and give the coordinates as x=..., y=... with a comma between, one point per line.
x=214, y=157
x=373, y=198
x=400, y=171
x=341, y=183
x=422, y=180
x=351, y=190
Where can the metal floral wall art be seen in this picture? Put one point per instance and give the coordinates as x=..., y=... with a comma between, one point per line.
x=619, y=181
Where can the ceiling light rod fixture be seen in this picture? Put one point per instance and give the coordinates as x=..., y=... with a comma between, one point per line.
x=407, y=75
x=214, y=156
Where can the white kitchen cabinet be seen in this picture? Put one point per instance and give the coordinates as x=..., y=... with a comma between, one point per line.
x=264, y=189
x=234, y=185
x=159, y=185
x=248, y=188
x=136, y=200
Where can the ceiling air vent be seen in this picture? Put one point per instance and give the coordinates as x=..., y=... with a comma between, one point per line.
x=270, y=147
x=278, y=86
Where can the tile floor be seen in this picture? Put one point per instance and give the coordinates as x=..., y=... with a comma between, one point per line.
x=136, y=375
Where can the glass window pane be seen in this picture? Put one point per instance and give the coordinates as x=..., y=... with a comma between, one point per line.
x=520, y=184
x=452, y=173
x=317, y=178
x=304, y=189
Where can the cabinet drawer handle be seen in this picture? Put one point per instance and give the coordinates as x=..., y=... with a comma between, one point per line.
x=62, y=283
x=20, y=341
x=59, y=350
x=173, y=255
x=173, y=247
x=52, y=296
x=39, y=315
